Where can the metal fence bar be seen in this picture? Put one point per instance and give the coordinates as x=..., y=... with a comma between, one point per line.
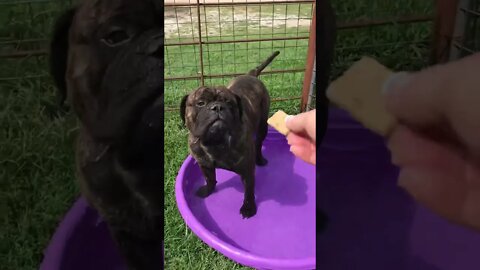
x=235, y=41
x=380, y=22
x=202, y=75
x=173, y=109
x=461, y=49
x=312, y=93
x=239, y=3
x=443, y=30
x=21, y=54
x=310, y=61
x=470, y=11
x=32, y=40
x=24, y=77
x=196, y=77
x=6, y=3
x=458, y=37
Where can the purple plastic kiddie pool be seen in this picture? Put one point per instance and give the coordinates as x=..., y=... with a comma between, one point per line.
x=373, y=224
x=282, y=233
x=82, y=242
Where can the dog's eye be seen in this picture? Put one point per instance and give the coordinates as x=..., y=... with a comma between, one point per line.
x=201, y=103
x=116, y=37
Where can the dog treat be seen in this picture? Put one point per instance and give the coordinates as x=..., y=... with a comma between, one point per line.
x=359, y=91
x=277, y=121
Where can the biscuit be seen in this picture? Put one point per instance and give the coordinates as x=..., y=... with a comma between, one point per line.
x=359, y=91
x=277, y=121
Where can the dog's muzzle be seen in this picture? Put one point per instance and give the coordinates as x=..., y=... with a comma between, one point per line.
x=217, y=133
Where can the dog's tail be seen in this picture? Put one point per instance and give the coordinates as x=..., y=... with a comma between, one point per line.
x=256, y=71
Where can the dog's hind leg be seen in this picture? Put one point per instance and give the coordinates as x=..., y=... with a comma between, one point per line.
x=262, y=131
x=261, y=134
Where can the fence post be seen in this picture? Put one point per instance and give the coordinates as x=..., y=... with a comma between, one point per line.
x=459, y=35
x=200, y=44
x=446, y=11
x=311, y=55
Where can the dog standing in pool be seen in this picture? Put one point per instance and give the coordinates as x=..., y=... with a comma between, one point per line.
x=227, y=126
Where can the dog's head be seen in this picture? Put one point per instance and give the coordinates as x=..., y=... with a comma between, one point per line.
x=108, y=56
x=212, y=114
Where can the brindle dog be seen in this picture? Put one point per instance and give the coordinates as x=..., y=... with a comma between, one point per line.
x=107, y=58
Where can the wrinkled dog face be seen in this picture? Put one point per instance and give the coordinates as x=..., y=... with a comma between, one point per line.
x=114, y=70
x=212, y=114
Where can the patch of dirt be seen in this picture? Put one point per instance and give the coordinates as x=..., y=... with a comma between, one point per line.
x=182, y=22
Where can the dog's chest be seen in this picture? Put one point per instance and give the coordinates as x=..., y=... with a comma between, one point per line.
x=218, y=157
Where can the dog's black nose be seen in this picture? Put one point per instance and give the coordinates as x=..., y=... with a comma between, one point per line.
x=216, y=107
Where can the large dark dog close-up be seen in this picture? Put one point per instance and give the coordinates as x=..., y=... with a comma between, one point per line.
x=107, y=61
x=227, y=126
x=327, y=33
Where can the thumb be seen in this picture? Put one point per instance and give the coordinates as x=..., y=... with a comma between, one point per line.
x=443, y=97
x=302, y=123
x=431, y=95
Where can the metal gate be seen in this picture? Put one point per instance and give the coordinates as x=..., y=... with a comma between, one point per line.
x=466, y=35
x=210, y=41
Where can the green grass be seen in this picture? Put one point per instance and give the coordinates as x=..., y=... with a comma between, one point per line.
x=36, y=153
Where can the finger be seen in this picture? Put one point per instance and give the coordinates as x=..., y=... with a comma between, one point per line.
x=307, y=154
x=450, y=195
x=302, y=123
x=410, y=148
x=430, y=96
x=440, y=192
x=293, y=138
x=438, y=176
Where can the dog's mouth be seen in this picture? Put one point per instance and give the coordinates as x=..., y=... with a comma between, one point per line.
x=217, y=133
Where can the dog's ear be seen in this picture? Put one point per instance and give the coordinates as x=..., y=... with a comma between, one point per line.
x=59, y=53
x=183, y=107
x=239, y=104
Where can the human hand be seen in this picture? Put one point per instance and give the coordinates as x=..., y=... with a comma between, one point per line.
x=301, y=137
x=437, y=143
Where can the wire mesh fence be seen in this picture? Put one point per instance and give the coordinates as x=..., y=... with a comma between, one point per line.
x=211, y=41
x=399, y=33
x=466, y=36
x=25, y=28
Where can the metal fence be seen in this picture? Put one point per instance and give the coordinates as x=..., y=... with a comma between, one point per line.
x=398, y=32
x=211, y=41
x=466, y=35
x=25, y=28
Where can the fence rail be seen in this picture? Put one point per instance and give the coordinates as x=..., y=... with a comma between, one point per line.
x=466, y=33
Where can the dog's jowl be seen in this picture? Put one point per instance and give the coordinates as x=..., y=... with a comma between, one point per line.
x=107, y=59
x=227, y=126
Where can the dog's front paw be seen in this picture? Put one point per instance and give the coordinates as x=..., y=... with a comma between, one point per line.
x=261, y=161
x=248, y=210
x=204, y=191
